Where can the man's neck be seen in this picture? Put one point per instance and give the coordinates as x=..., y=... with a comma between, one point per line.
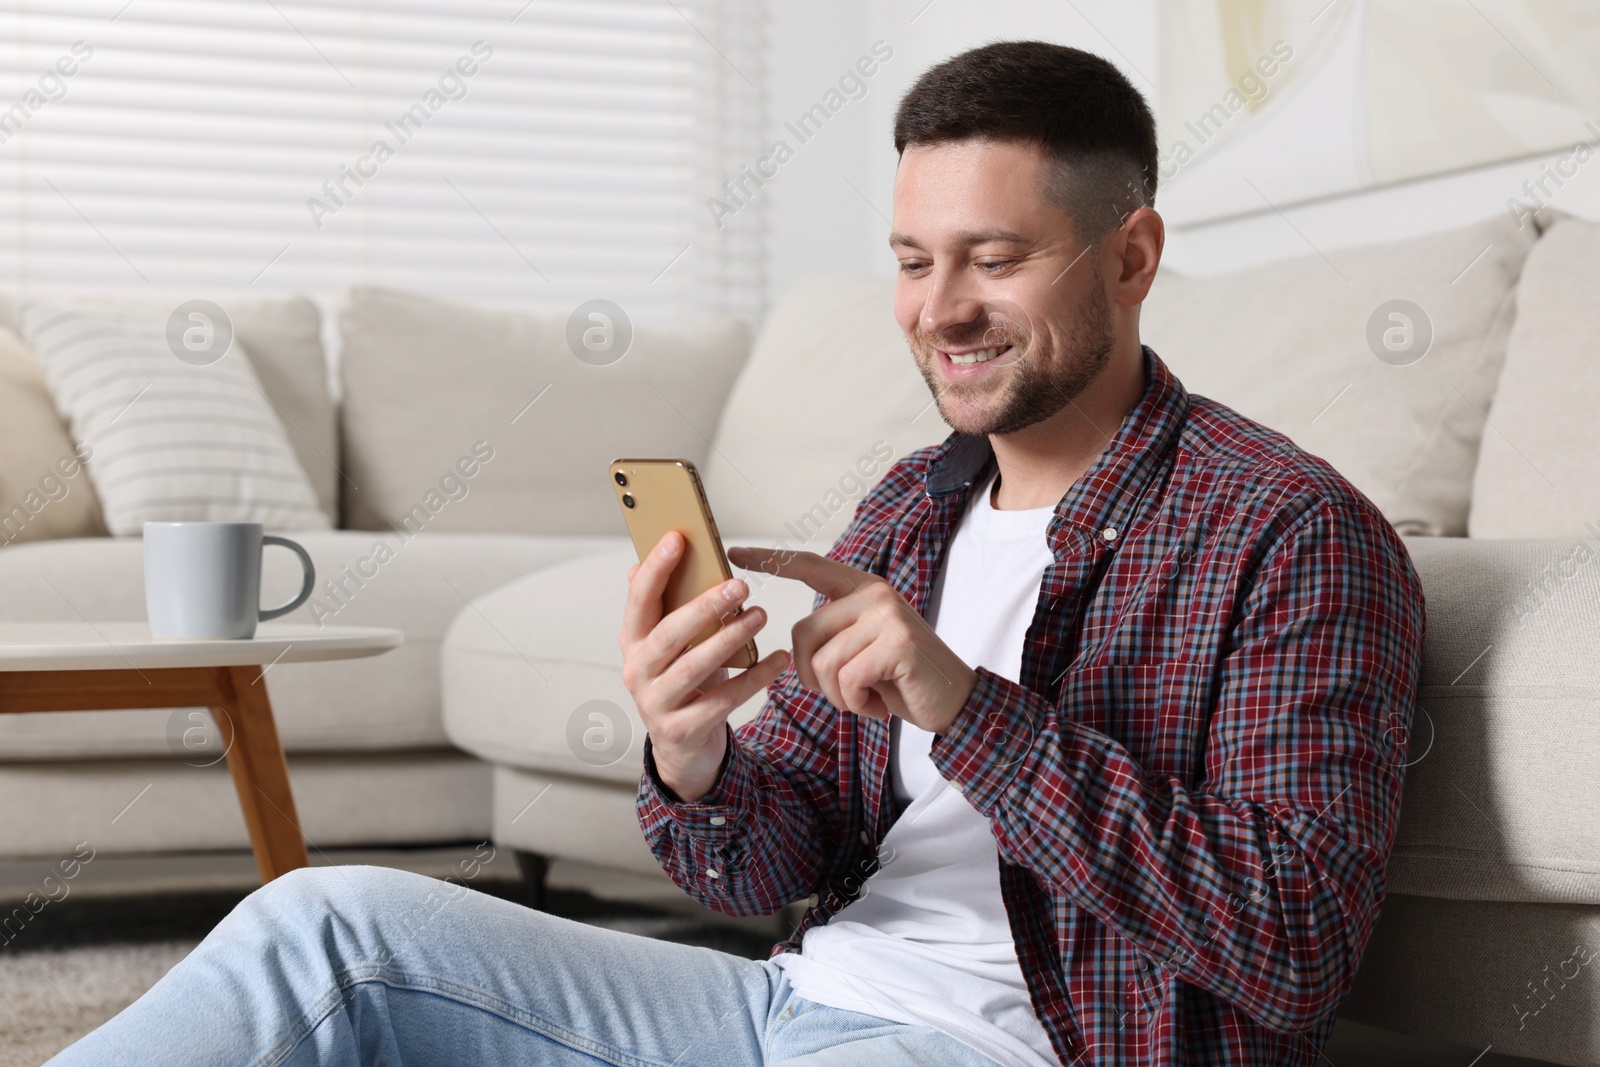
x=1040, y=463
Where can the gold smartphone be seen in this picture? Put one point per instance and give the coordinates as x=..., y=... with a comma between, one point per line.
x=658, y=495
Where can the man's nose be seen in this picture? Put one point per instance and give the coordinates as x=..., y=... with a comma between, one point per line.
x=951, y=302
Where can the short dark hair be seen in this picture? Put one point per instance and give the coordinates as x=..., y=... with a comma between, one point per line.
x=1089, y=119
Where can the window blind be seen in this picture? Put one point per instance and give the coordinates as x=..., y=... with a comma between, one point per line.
x=540, y=153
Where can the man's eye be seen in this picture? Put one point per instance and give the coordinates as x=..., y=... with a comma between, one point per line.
x=911, y=266
x=989, y=265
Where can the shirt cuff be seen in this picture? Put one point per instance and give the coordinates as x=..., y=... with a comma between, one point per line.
x=984, y=750
x=714, y=818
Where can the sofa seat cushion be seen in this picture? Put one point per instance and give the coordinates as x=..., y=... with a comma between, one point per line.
x=1502, y=791
x=523, y=670
x=575, y=818
x=122, y=806
x=383, y=702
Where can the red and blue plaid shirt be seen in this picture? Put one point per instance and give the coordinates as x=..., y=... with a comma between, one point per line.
x=1193, y=787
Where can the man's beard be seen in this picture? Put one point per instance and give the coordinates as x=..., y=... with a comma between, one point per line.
x=1044, y=377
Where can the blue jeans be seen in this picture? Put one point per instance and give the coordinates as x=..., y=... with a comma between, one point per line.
x=374, y=967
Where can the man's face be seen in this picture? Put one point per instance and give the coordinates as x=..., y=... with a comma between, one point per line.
x=990, y=268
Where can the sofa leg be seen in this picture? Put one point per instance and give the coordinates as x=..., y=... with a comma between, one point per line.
x=534, y=867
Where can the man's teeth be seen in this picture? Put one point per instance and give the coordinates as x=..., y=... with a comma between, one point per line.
x=983, y=355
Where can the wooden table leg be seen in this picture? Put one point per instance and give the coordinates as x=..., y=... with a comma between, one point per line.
x=238, y=700
x=260, y=774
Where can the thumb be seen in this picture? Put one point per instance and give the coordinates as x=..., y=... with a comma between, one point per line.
x=889, y=693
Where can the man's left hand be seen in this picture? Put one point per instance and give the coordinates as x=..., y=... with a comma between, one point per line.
x=866, y=649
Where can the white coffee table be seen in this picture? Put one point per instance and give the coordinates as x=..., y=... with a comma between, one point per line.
x=92, y=666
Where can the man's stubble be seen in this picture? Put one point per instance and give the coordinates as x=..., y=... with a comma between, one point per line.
x=1043, y=377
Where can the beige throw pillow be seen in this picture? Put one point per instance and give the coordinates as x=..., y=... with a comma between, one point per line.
x=173, y=439
x=282, y=336
x=1287, y=344
x=44, y=489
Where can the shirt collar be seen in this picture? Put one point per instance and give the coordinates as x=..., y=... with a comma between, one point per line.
x=1108, y=495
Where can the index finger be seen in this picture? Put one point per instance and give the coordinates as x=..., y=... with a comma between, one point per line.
x=647, y=584
x=819, y=572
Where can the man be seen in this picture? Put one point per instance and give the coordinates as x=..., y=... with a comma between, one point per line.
x=1093, y=706
x=1087, y=754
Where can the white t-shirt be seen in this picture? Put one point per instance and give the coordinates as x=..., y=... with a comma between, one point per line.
x=928, y=941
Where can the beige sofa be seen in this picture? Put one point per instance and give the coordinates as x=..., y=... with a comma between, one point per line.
x=1495, y=877
x=422, y=383
x=504, y=714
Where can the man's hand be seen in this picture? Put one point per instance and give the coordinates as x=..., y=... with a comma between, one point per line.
x=867, y=650
x=685, y=697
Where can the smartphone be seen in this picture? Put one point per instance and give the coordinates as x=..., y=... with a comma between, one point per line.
x=658, y=495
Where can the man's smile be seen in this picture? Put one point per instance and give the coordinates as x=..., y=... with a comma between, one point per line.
x=967, y=357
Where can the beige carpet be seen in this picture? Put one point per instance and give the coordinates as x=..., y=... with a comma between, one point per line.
x=49, y=999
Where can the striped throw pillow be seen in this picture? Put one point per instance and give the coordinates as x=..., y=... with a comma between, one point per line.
x=171, y=440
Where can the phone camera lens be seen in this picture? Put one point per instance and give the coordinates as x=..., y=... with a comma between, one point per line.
x=622, y=479
x=627, y=500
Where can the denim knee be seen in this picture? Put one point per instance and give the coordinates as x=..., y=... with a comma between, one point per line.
x=307, y=897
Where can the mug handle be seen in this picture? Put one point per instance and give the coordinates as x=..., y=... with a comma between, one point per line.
x=305, y=588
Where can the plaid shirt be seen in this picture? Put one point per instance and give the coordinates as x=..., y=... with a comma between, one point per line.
x=1193, y=788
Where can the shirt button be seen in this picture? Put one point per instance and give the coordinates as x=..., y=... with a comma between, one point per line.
x=1109, y=533
x=811, y=901
x=958, y=787
x=712, y=874
x=718, y=820
x=865, y=840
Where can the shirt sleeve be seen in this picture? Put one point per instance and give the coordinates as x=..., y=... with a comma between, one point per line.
x=1261, y=882
x=757, y=840
x=772, y=828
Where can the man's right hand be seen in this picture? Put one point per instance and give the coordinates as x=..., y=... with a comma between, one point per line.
x=685, y=697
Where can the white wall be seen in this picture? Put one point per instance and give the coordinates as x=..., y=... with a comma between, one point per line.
x=817, y=220
x=814, y=218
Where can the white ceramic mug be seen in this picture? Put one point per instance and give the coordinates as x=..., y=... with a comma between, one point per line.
x=203, y=579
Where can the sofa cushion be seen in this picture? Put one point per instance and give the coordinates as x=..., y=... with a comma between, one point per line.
x=45, y=490
x=586, y=819
x=1287, y=344
x=427, y=381
x=1539, y=469
x=519, y=670
x=1501, y=799
x=172, y=439
x=830, y=399
x=417, y=585
x=1475, y=974
x=283, y=338
x=366, y=799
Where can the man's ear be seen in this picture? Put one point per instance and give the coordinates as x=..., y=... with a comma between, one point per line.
x=1134, y=253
